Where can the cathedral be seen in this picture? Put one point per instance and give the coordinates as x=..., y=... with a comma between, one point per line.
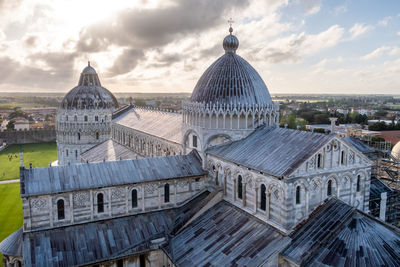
x=219, y=184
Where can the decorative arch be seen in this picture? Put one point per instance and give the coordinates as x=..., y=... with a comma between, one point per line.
x=331, y=186
x=186, y=135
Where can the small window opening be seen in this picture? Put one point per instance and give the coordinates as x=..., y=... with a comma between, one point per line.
x=263, y=205
x=60, y=209
x=298, y=192
x=194, y=139
x=134, y=198
x=100, y=203
x=166, y=193
x=240, y=187
x=329, y=189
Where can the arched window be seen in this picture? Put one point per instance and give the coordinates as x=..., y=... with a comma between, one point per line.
x=100, y=203
x=97, y=136
x=134, y=198
x=105, y=118
x=263, y=204
x=79, y=136
x=76, y=154
x=85, y=118
x=342, y=158
x=66, y=118
x=75, y=118
x=194, y=139
x=240, y=187
x=298, y=196
x=96, y=118
x=319, y=161
x=60, y=209
x=67, y=152
x=358, y=183
x=166, y=193
x=329, y=188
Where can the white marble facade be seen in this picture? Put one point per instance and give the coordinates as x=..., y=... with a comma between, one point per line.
x=289, y=200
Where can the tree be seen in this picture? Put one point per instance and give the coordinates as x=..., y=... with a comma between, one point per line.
x=10, y=125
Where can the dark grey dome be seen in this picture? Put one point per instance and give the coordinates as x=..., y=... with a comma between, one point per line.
x=89, y=93
x=231, y=79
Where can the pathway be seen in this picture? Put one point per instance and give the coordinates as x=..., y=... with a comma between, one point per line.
x=9, y=181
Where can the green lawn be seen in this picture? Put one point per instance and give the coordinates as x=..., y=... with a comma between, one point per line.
x=38, y=154
x=10, y=210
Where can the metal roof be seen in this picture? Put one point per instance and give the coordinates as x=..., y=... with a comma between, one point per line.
x=99, y=241
x=165, y=125
x=108, y=150
x=360, y=145
x=12, y=245
x=57, y=179
x=378, y=187
x=225, y=236
x=276, y=151
x=89, y=93
x=337, y=234
x=231, y=80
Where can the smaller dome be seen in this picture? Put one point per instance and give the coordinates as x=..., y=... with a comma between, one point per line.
x=230, y=43
x=89, y=93
x=396, y=151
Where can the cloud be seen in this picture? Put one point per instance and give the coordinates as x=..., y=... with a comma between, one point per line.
x=398, y=34
x=14, y=73
x=359, y=29
x=381, y=51
x=127, y=61
x=340, y=10
x=311, y=6
x=376, y=53
x=384, y=21
x=293, y=48
x=149, y=28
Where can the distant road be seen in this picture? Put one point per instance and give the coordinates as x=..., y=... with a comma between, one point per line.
x=9, y=181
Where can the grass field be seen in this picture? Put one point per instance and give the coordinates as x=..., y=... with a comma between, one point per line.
x=10, y=210
x=38, y=154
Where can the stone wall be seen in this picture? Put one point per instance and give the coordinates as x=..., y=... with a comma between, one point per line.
x=40, y=212
x=28, y=137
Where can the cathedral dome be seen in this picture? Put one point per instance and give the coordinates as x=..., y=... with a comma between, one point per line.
x=396, y=151
x=89, y=93
x=231, y=79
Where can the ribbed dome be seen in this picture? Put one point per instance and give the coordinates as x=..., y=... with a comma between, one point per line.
x=89, y=93
x=231, y=79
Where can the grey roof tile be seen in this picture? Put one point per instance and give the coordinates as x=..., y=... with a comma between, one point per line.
x=276, y=151
x=165, y=125
x=12, y=245
x=99, y=241
x=225, y=235
x=108, y=150
x=57, y=179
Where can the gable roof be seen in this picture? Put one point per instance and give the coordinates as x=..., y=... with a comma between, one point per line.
x=108, y=150
x=165, y=125
x=337, y=234
x=58, y=179
x=276, y=151
x=225, y=235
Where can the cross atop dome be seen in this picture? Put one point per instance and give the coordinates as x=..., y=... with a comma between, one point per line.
x=230, y=21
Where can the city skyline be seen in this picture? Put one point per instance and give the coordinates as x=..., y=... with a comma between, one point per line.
x=345, y=47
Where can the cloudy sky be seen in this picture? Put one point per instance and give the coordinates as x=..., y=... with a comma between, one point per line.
x=297, y=46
